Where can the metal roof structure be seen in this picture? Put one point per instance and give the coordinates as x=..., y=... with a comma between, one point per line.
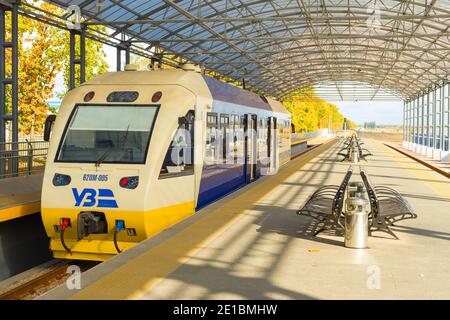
x=394, y=48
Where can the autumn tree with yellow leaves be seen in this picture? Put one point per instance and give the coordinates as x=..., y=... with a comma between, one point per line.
x=43, y=53
x=40, y=48
x=310, y=112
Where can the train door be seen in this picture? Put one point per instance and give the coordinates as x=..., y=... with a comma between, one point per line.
x=251, y=147
x=178, y=166
x=272, y=143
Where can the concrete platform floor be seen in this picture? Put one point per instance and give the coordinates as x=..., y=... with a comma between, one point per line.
x=266, y=251
x=20, y=196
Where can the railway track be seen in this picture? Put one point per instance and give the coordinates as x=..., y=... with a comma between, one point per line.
x=41, y=281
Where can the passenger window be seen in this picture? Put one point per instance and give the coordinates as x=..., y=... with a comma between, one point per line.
x=179, y=159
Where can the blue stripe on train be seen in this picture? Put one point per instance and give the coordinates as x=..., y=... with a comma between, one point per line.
x=218, y=181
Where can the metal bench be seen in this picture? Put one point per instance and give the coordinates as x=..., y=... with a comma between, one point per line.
x=325, y=205
x=387, y=207
x=349, y=145
x=363, y=155
x=346, y=150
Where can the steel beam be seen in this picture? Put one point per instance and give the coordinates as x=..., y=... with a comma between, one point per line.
x=77, y=59
x=9, y=104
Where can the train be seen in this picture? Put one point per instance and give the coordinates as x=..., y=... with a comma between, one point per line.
x=132, y=153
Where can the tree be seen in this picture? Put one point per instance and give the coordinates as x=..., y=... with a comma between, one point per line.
x=310, y=112
x=43, y=53
x=40, y=49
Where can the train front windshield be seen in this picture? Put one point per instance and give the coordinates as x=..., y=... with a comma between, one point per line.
x=107, y=134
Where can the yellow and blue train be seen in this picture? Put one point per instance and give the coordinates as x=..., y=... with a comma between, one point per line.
x=132, y=153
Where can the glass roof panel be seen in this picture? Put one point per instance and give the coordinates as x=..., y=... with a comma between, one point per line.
x=395, y=46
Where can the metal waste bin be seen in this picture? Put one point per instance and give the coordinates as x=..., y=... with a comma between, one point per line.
x=355, y=155
x=356, y=224
x=356, y=189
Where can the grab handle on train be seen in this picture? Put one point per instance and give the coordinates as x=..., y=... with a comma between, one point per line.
x=48, y=125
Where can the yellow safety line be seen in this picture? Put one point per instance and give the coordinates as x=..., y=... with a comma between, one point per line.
x=142, y=273
x=20, y=211
x=429, y=177
x=13, y=199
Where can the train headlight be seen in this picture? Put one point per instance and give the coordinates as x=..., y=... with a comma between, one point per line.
x=61, y=179
x=129, y=182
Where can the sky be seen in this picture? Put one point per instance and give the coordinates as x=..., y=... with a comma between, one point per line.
x=381, y=112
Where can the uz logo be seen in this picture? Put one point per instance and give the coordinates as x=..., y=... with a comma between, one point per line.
x=104, y=198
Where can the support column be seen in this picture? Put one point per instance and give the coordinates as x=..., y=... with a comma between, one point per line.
x=425, y=124
x=413, y=125
x=405, y=103
x=410, y=123
x=437, y=147
x=445, y=124
x=418, y=123
x=431, y=123
x=9, y=109
x=79, y=59
x=124, y=46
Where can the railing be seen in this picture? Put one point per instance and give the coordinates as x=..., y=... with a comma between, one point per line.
x=23, y=157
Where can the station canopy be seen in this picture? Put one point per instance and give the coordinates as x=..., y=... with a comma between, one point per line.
x=375, y=49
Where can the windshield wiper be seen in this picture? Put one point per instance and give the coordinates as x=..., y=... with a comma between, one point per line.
x=108, y=152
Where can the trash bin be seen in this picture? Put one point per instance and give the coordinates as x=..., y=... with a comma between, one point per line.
x=356, y=189
x=355, y=155
x=356, y=223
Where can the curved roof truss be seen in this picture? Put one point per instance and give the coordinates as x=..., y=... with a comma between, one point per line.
x=398, y=47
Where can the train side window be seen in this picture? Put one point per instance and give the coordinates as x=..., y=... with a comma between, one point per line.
x=211, y=139
x=179, y=159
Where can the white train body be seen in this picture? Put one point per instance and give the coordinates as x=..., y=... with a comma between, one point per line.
x=120, y=167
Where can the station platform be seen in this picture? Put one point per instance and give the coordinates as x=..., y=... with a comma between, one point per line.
x=439, y=166
x=20, y=196
x=252, y=245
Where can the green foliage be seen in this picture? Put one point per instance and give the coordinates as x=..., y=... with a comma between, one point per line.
x=310, y=112
x=40, y=48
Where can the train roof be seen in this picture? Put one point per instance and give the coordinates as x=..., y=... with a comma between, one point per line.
x=193, y=81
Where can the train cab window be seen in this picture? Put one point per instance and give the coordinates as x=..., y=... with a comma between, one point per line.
x=107, y=134
x=211, y=139
x=179, y=158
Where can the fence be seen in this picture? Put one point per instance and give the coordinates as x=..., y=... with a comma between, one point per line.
x=22, y=158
